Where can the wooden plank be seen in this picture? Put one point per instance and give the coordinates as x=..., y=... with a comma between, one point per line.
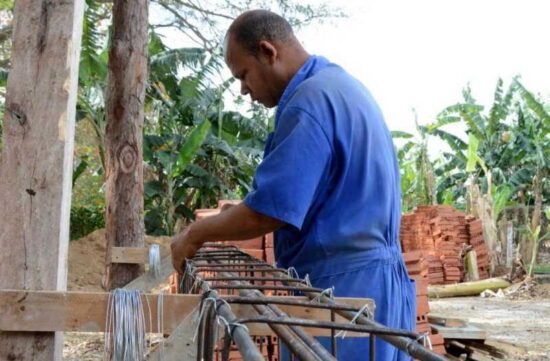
x=127, y=81
x=181, y=345
x=468, y=332
x=36, y=169
x=129, y=255
x=79, y=311
x=47, y=311
x=147, y=281
x=446, y=321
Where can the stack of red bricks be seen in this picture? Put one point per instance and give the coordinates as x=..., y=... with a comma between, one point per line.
x=417, y=266
x=441, y=233
x=475, y=233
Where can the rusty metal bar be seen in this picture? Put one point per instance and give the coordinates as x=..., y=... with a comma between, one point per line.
x=266, y=287
x=273, y=279
x=378, y=330
x=232, y=269
x=240, y=336
x=275, y=300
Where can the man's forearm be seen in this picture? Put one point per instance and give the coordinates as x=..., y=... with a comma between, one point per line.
x=236, y=223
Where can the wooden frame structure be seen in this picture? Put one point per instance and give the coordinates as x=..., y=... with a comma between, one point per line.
x=36, y=169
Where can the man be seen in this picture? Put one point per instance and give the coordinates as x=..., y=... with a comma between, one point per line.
x=329, y=182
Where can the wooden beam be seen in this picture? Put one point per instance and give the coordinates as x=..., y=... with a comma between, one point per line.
x=467, y=332
x=124, y=112
x=147, y=281
x=48, y=311
x=129, y=255
x=445, y=321
x=36, y=169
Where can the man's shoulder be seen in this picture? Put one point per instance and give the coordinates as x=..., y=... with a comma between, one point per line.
x=332, y=84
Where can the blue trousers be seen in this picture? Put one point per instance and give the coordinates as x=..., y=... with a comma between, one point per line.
x=394, y=294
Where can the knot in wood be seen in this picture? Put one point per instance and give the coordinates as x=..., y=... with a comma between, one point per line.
x=127, y=158
x=17, y=113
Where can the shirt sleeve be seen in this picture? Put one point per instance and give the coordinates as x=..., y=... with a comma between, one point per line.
x=288, y=179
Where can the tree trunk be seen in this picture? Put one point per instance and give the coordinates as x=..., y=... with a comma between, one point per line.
x=467, y=288
x=36, y=168
x=124, y=112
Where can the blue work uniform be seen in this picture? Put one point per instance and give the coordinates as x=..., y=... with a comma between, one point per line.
x=330, y=173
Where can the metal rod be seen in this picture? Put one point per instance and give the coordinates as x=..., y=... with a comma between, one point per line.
x=273, y=279
x=333, y=334
x=310, y=341
x=277, y=300
x=379, y=330
x=240, y=335
x=372, y=348
x=241, y=264
x=414, y=349
x=265, y=287
x=231, y=269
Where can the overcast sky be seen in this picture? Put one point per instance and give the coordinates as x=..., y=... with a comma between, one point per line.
x=422, y=53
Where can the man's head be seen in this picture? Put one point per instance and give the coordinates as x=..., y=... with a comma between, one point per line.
x=263, y=54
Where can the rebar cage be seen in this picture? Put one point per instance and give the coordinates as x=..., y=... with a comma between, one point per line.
x=225, y=275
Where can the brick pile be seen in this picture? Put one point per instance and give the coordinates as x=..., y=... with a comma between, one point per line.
x=433, y=239
x=442, y=233
x=417, y=266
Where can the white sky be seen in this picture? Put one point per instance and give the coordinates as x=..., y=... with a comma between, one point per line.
x=422, y=53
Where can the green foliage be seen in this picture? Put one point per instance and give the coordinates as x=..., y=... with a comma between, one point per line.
x=85, y=220
x=195, y=151
x=506, y=146
x=417, y=175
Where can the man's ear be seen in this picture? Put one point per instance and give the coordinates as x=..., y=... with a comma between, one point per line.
x=268, y=51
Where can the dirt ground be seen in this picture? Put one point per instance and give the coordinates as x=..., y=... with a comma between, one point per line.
x=522, y=320
x=87, y=260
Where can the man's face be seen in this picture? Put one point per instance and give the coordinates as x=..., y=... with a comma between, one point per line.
x=256, y=73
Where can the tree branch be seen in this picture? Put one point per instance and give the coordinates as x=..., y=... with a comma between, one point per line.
x=196, y=32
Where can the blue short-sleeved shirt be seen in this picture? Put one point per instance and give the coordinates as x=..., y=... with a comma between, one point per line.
x=330, y=173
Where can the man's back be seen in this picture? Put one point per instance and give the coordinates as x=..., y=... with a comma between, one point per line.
x=353, y=217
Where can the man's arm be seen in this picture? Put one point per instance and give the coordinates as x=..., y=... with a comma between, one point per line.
x=236, y=223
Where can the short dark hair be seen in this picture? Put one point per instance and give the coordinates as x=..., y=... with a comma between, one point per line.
x=254, y=26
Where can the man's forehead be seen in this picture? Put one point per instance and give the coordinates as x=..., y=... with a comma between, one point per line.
x=233, y=54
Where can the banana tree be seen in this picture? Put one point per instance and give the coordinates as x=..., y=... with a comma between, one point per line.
x=195, y=151
x=417, y=175
x=506, y=153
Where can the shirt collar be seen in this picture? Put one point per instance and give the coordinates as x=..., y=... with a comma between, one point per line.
x=312, y=65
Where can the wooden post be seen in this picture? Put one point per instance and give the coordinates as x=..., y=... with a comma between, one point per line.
x=124, y=110
x=36, y=168
x=470, y=263
x=509, y=243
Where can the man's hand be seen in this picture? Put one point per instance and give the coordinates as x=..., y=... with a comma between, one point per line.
x=183, y=247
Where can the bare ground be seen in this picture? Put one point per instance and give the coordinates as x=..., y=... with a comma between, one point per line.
x=523, y=320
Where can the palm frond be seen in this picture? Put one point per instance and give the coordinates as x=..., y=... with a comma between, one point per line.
x=534, y=105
